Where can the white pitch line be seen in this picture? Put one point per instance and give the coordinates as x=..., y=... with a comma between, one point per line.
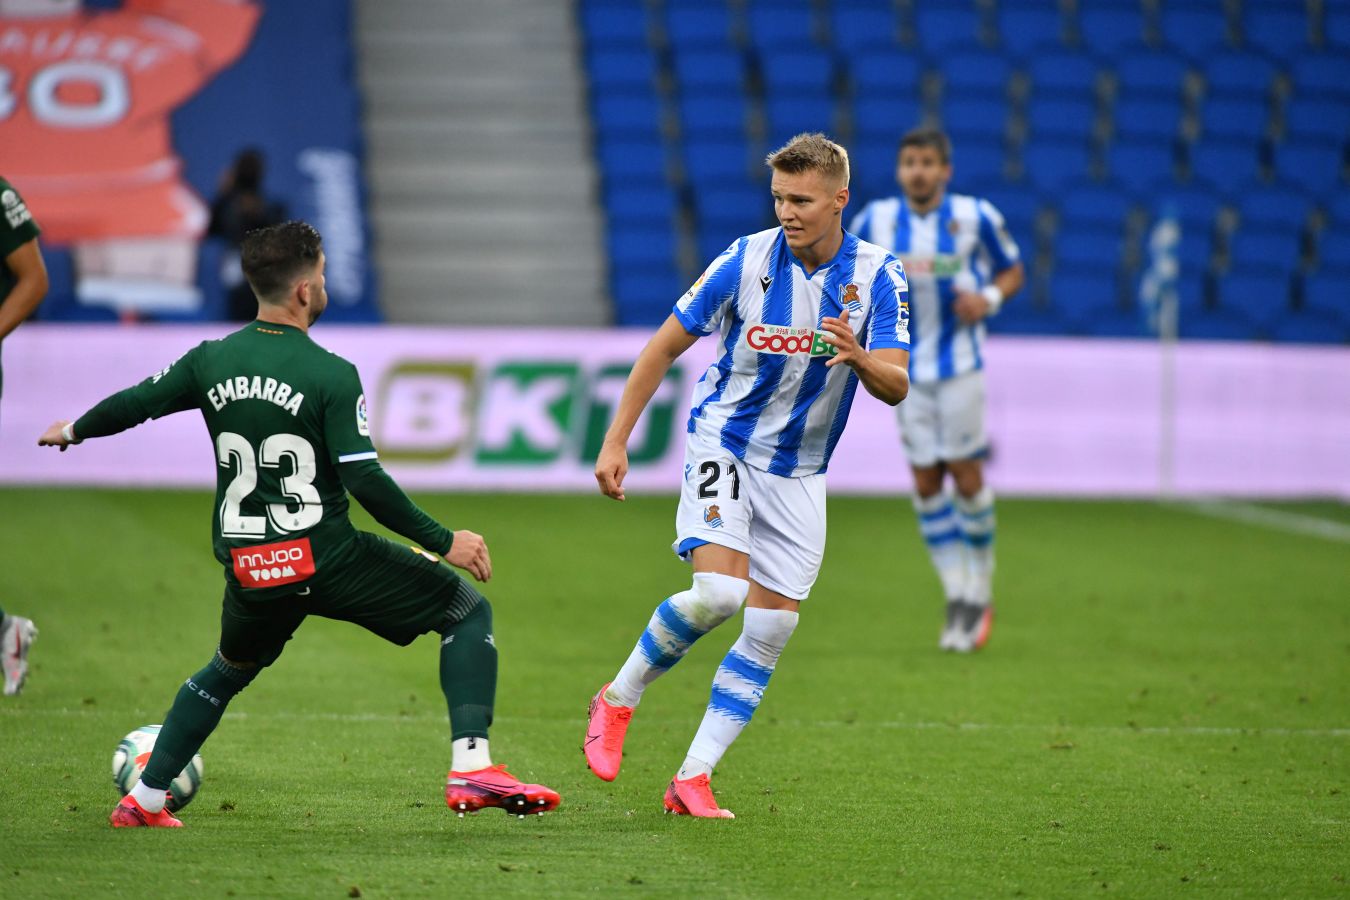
x=1280, y=520
x=1164, y=730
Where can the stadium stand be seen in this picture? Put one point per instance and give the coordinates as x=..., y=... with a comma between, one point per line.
x=1082, y=122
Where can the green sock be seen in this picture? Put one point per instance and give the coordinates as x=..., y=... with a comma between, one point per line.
x=195, y=714
x=469, y=671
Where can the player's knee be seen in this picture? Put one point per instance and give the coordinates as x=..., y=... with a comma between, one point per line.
x=717, y=598
x=769, y=631
x=238, y=673
x=969, y=478
x=467, y=606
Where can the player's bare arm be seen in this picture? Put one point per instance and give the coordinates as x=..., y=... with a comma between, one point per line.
x=655, y=360
x=31, y=286
x=972, y=306
x=883, y=372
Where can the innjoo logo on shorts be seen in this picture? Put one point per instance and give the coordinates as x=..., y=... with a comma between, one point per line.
x=785, y=341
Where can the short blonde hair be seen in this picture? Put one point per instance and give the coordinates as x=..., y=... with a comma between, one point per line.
x=813, y=151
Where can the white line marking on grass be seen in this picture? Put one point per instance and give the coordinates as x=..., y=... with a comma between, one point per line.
x=1165, y=730
x=1280, y=520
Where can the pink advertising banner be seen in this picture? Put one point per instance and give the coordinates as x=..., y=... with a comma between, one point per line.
x=474, y=409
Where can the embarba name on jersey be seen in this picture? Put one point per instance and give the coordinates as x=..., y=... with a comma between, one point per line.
x=241, y=387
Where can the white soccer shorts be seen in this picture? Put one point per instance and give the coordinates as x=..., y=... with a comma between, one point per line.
x=779, y=522
x=943, y=421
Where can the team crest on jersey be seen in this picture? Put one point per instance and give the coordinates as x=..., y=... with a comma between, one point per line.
x=362, y=419
x=713, y=516
x=954, y=227
x=850, y=299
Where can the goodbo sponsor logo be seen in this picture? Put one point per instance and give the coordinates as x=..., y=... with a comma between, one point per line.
x=785, y=341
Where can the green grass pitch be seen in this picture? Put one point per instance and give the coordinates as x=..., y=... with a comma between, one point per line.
x=1163, y=711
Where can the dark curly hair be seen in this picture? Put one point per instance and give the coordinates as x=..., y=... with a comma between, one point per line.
x=275, y=256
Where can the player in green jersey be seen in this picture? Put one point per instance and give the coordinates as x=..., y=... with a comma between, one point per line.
x=23, y=284
x=291, y=435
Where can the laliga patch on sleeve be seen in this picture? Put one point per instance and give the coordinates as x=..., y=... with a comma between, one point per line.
x=362, y=419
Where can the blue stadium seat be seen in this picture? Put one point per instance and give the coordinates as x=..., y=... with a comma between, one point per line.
x=946, y=27
x=1092, y=249
x=1311, y=327
x=979, y=72
x=1140, y=164
x=645, y=296
x=1017, y=204
x=986, y=117
x=698, y=25
x=1084, y=295
x=1191, y=293
x=729, y=211
x=1027, y=28
x=800, y=111
x=632, y=69
x=1225, y=325
x=1281, y=32
x=1318, y=118
x=716, y=160
x=1314, y=166
x=1050, y=165
x=636, y=246
x=781, y=24
x=702, y=68
x=1061, y=117
x=619, y=115
x=1145, y=71
x=1336, y=27
x=1195, y=204
x=1021, y=316
x=886, y=117
x=1338, y=208
x=713, y=113
x=1259, y=294
x=1276, y=250
x=795, y=68
x=1147, y=117
x=614, y=25
x=1235, y=118
x=1226, y=163
x=880, y=72
x=1195, y=31
x=872, y=164
x=1322, y=74
x=1093, y=206
x=1195, y=251
x=1064, y=73
x=1325, y=292
x=1234, y=72
x=1109, y=30
x=976, y=158
x=713, y=242
x=639, y=204
x=1333, y=252
x=1273, y=206
x=630, y=160
x=861, y=23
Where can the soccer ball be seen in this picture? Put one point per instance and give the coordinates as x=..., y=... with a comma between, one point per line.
x=133, y=753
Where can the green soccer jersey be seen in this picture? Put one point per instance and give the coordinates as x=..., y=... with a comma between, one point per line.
x=288, y=422
x=16, y=229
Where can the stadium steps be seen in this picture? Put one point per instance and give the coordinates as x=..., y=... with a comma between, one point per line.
x=481, y=179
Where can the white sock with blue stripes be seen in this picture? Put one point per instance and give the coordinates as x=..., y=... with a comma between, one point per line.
x=682, y=619
x=738, y=686
x=942, y=533
x=976, y=517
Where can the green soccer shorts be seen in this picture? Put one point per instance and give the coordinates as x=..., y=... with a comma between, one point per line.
x=394, y=590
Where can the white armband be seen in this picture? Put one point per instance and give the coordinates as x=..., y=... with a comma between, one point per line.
x=994, y=296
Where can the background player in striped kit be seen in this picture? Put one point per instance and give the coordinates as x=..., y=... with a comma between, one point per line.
x=794, y=307
x=962, y=264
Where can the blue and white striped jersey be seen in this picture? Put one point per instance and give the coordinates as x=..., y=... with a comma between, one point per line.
x=769, y=398
x=960, y=245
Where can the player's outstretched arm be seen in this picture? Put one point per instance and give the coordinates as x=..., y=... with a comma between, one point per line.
x=58, y=434
x=655, y=360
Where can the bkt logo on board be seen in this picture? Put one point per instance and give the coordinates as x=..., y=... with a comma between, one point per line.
x=514, y=413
